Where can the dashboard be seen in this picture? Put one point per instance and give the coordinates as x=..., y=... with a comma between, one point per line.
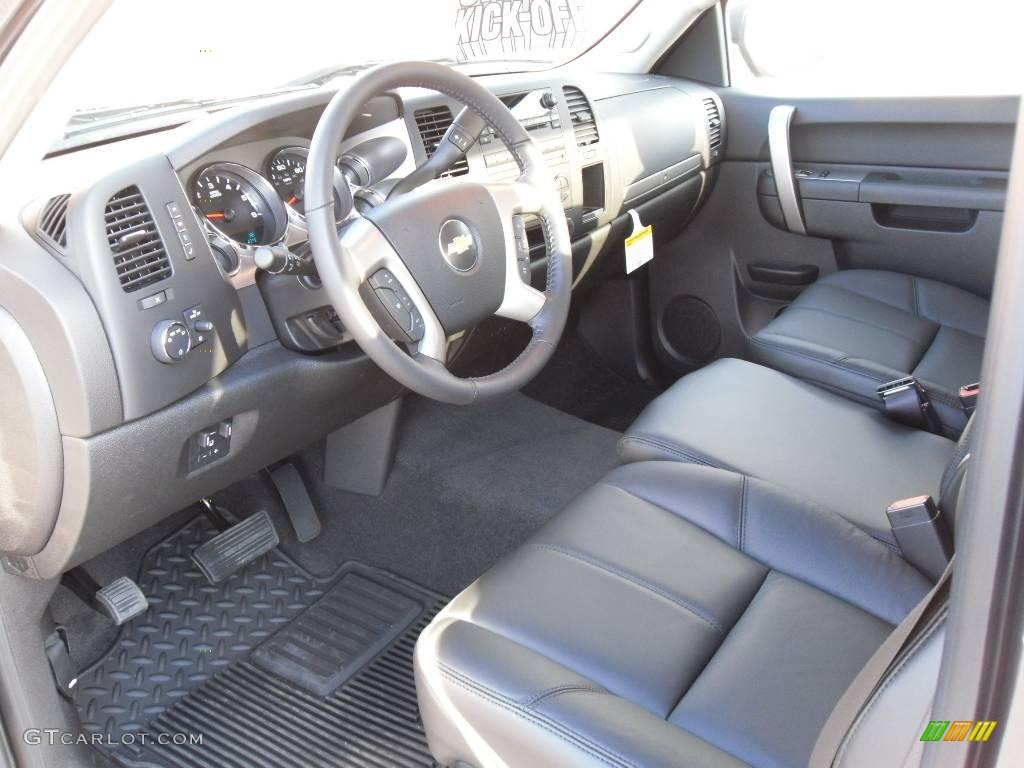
x=165, y=291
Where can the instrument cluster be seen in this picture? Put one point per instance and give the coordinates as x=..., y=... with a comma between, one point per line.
x=253, y=209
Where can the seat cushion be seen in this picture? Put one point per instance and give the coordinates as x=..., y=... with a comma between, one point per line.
x=751, y=419
x=855, y=329
x=672, y=615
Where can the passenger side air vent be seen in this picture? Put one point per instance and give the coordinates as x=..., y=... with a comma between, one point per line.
x=140, y=258
x=714, y=122
x=583, y=123
x=432, y=123
x=53, y=221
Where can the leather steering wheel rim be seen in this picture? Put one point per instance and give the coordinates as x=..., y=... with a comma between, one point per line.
x=344, y=260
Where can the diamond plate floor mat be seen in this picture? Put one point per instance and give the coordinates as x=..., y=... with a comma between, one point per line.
x=271, y=667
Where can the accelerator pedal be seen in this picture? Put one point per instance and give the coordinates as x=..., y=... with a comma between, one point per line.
x=239, y=545
x=121, y=600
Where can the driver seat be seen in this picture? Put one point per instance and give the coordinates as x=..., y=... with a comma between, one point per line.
x=676, y=615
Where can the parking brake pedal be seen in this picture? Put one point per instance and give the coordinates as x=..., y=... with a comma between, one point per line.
x=121, y=600
x=239, y=545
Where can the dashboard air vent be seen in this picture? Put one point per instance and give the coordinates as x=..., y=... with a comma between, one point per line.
x=583, y=123
x=714, y=121
x=140, y=258
x=432, y=123
x=53, y=221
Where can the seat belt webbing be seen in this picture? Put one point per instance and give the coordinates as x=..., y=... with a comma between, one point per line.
x=870, y=677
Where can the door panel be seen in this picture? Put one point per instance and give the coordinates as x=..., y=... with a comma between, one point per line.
x=913, y=185
x=940, y=224
x=974, y=133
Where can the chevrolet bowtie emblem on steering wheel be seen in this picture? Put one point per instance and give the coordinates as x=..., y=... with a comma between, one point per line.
x=458, y=247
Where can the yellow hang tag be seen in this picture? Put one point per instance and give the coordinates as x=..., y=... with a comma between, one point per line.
x=639, y=245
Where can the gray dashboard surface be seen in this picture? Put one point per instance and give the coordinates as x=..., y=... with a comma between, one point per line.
x=129, y=423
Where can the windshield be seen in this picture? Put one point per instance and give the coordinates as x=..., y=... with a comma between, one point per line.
x=144, y=52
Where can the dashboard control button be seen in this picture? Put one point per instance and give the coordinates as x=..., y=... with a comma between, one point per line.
x=186, y=243
x=179, y=224
x=173, y=210
x=170, y=341
x=209, y=444
x=155, y=300
x=198, y=326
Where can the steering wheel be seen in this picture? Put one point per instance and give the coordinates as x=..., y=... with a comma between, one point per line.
x=441, y=258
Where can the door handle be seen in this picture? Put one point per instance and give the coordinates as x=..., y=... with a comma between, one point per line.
x=779, y=120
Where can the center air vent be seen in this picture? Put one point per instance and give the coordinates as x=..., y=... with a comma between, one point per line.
x=140, y=258
x=432, y=123
x=53, y=221
x=583, y=123
x=714, y=122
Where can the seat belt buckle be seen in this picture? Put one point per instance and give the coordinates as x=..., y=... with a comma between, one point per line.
x=969, y=397
x=907, y=402
x=923, y=534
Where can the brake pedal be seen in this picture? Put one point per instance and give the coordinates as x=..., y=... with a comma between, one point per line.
x=239, y=545
x=121, y=600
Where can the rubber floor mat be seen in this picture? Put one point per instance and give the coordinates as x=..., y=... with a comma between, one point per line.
x=272, y=667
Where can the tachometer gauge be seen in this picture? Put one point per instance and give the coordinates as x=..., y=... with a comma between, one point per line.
x=239, y=204
x=287, y=171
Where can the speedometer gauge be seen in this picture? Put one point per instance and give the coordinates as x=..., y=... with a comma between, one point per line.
x=240, y=204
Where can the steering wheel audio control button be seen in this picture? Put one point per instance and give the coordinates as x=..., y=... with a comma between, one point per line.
x=392, y=308
x=460, y=139
x=522, y=249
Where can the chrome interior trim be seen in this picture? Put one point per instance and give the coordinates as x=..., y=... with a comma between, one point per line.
x=782, y=167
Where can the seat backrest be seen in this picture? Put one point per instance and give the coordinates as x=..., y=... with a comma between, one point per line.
x=956, y=470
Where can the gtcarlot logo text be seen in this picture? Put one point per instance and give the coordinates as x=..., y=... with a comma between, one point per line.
x=53, y=736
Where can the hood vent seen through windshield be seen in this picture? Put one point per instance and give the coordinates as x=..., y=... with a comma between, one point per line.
x=432, y=123
x=583, y=123
x=140, y=258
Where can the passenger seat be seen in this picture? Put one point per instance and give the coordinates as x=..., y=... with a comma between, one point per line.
x=848, y=458
x=856, y=329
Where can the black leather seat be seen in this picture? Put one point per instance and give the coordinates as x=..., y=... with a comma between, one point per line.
x=855, y=329
x=674, y=615
x=744, y=417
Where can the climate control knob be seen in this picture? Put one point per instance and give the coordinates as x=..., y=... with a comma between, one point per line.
x=170, y=341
